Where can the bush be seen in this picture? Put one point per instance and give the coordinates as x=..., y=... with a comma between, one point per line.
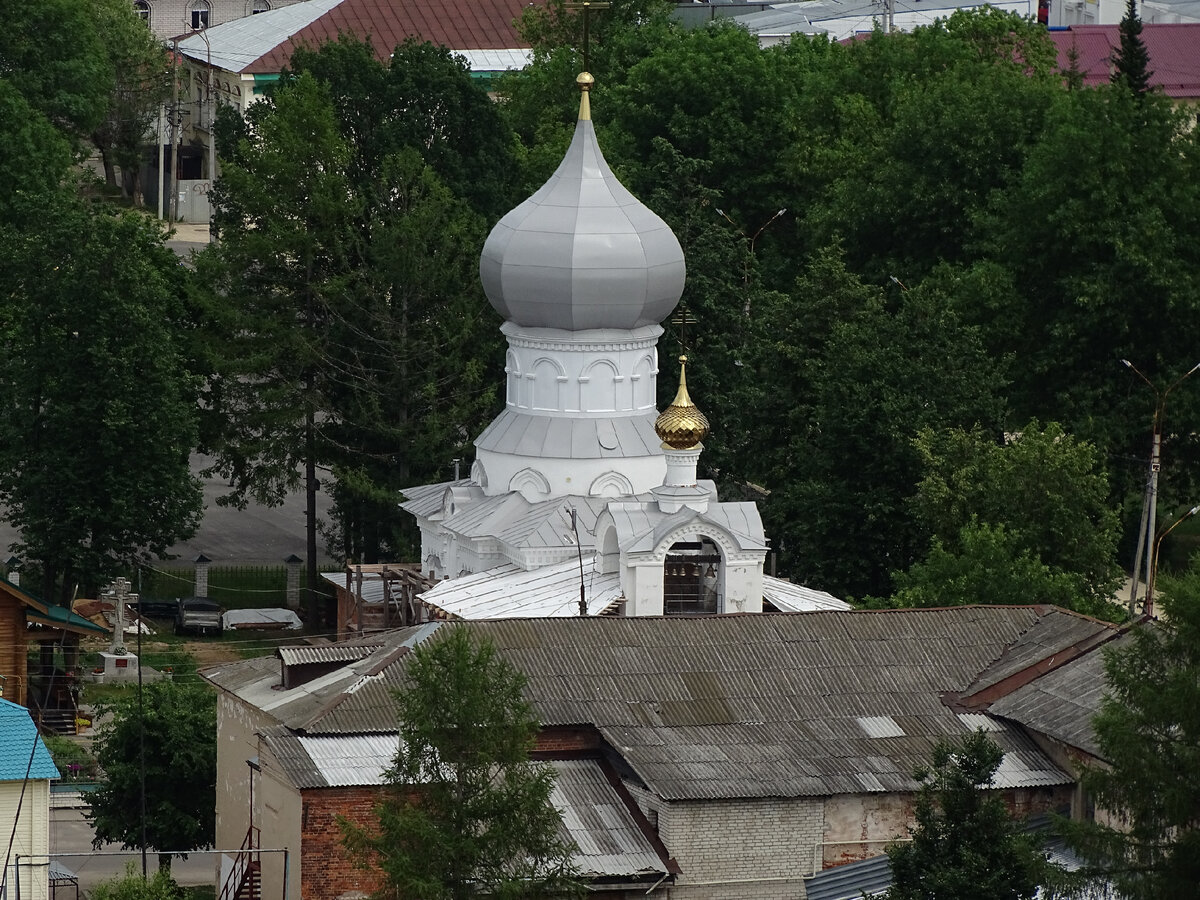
x=131, y=886
x=67, y=753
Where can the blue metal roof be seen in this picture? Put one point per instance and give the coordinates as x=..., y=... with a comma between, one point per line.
x=851, y=881
x=17, y=737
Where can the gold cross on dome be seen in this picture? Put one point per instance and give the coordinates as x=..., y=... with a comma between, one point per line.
x=587, y=6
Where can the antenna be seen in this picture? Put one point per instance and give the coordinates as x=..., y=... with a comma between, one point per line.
x=579, y=549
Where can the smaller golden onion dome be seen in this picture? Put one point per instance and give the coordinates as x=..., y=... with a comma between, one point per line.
x=681, y=426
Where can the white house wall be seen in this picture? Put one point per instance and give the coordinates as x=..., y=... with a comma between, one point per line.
x=31, y=840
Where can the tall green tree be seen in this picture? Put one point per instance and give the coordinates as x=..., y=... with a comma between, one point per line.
x=101, y=406
x=176, y=730
x=1131, y=63
x=1040, y=494
x=351, y=330
x=867, y=371
x=964, y=843
x=1102, y=268
x=53, y=53
x=466, y=812
x=142, y=81
x=1146, y=837
x=286, y=259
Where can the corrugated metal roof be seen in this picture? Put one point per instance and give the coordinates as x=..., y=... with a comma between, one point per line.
x=326, y=653
x=19, y=740
x=727, y=706
x=1053, y=634
x=474, y=25
x=496, y=60
x=852, y=881
x=600, y=822
x=1062, y=703
x=235, y=45
x=1174, y=51
x=595, y=816
x=788, y=597
x=508, y=592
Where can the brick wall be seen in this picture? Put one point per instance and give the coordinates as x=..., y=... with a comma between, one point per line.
x=326, y=870
x=554, y=741
x=737, y=849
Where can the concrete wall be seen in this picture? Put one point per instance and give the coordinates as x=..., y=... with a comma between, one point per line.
x=237, y=723
x=31, y=840
x=279, y=813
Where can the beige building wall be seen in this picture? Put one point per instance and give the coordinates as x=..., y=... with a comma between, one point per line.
x=31, y=839
x=278, y=813
x=236, y=742
x=172, y=18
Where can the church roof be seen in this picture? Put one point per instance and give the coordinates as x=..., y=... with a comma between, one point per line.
x=511, y=592
x=582, y=253
x=641, y=526
x=580, y=438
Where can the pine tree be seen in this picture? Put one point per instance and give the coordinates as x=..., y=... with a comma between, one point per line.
x=466, y=812
x=1148, y=730
x=1131, y=65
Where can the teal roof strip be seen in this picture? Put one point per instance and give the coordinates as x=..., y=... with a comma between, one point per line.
x=18, y=736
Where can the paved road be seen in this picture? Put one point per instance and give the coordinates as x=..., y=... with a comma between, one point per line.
x=258, y=535
x=71, y=845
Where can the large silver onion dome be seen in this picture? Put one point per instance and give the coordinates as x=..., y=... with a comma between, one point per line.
x=582, y=252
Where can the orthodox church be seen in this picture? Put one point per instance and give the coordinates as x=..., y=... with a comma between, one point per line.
x=582, y=498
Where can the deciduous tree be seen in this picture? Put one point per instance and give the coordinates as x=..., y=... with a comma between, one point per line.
x=1039, y=494
x=101, y=415
x=177, y=732
x=466, y=812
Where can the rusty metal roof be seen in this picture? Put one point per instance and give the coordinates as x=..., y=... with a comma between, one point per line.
x=1063, y=702
x=462, y=25
x=755, y=705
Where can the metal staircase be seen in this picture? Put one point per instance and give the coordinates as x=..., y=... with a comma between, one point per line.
x=245, y=878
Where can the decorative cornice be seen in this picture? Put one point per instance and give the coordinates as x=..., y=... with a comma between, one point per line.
x=578, y=342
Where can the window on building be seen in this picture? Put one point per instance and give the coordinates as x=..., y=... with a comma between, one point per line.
x=259, y=6
x=199, y=14
x=691, y=575
x=142, y=8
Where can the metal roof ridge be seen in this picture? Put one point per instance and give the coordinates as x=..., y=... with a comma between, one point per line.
x=985, y=696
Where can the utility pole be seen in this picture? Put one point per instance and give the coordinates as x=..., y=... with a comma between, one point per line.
x=176, y=129
x=1146, y=544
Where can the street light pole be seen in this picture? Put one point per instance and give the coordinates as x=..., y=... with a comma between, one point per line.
x=1157, y=544
x=1150, y=503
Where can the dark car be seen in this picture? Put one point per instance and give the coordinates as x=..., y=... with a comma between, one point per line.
x=197, y=615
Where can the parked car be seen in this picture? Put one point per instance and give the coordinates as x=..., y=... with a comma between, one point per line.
x=197, y=615
x=158, y=609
